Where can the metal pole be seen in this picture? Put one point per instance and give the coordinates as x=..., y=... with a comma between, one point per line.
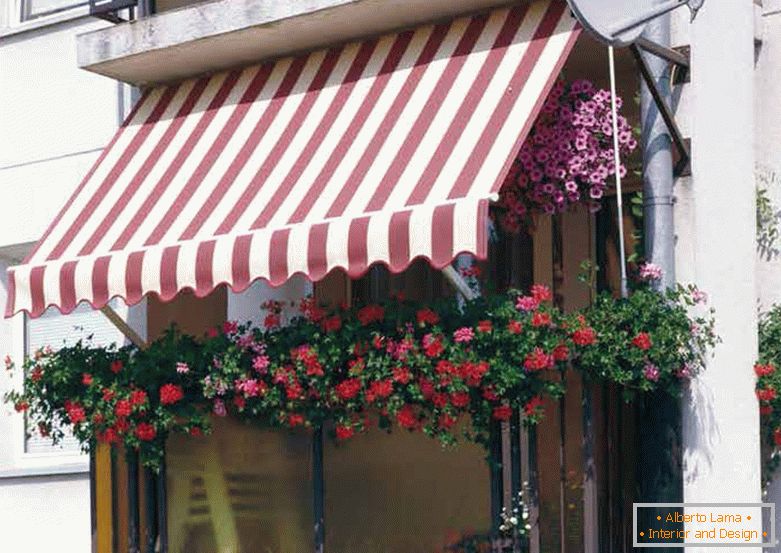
x=660, y=473
x=617, y=164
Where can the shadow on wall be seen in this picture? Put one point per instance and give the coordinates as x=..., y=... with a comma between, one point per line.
x=701, y=431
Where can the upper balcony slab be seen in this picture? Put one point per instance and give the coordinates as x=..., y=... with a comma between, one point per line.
x=222, y=34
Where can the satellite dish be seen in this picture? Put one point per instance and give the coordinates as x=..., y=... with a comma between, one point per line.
x=621, y=22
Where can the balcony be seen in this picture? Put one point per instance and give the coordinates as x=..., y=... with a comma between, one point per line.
x=211, y=36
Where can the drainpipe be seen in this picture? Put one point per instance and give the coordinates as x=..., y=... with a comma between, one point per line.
x=659, y=415
x=658, y=161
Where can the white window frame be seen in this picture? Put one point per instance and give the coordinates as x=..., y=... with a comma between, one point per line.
x=24, y=8
x=13, y=17
x=22, y=462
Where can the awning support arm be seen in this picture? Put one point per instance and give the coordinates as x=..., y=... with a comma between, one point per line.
x=680, y=59
x=459, y=282
x=681, y=143
x=123, y=327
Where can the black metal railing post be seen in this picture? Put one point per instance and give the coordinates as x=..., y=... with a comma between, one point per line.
x=318, y=488
x=162, y=507
x=133, y=526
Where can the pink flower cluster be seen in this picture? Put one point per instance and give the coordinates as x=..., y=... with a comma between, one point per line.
x=567, y=157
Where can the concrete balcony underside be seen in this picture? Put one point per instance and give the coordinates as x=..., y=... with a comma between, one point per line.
x=213, y=36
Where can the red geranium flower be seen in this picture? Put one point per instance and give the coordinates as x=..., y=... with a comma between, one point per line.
x=459, y=399
x=371, y=314
x=489, y=394
x=541, y=293
x=427, y=316
x=445, y=367
x=584, y=336
x=138, y=397
x=295, y=419
x=311, y=310
x=402, y=375
x=502, y=413
x=381, y=389
x=485, y=326
x=538, y=360
x=108, y=394
x=560, y=353
x=294, y=390
x=239, y=402
x=86, y=379
x=108, y=436
x=76, y=413
x=446, y=421
x=432, y=345
x=426, y=388
x=36, y=374
x=145, y=432
x=766, y=394
x=21, y=406
x=212, y=332
x=98, y=418
x=332, y=324
x=440, y=399
x=116, y=366
x=642, y=341
x=514, y=327
x=764, y=370
x=532, y=405
x=122, y=425
x=170, y=394
x=272, y=320
x=541, y=319
x=230, y=327
x=765, y=409
x=123, y=408
x=473, y=373
x=406, y=417
x=196, y=432
x=348, y=389
x=344, y=432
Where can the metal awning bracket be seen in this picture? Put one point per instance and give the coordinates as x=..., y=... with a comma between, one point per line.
x=123, y=327
x=679, y=59
x=459, y=282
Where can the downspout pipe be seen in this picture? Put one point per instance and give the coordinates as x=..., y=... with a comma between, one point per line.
x=660, y=472
x=659, y=230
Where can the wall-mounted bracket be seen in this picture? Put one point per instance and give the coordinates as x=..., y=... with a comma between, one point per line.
x=123, y=327
x=680, y=60
x=459, y=282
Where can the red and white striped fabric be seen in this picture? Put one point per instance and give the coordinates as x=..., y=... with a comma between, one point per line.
x=372, y=152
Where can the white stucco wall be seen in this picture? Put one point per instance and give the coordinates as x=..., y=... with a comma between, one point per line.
x=54, y=119
x=715, y=224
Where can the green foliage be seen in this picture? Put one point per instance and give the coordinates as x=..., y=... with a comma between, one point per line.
x=649, y=340
x=767, y=387
x=451, y=370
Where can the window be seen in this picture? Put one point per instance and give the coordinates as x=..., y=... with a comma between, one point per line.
x=30, y=450
x=33, y=9
x=242, y=488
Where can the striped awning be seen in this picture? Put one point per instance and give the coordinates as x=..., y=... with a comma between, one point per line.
x=379, y=151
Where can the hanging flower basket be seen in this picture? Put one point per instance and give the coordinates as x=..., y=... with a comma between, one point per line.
x=567, y=158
